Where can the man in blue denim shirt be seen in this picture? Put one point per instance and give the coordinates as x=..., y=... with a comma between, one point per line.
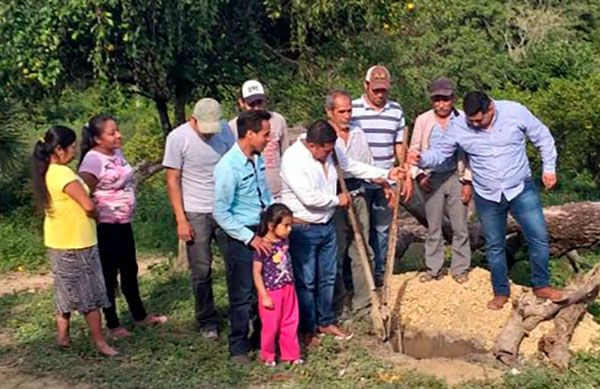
x=241, y=194
x=493, y=134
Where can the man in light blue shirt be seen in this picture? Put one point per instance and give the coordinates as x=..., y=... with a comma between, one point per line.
x=493, y=134
x=241, y=194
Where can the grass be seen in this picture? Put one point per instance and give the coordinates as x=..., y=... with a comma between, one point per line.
x=176, y=356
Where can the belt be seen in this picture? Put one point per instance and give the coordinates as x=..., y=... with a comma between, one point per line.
x=297, y=220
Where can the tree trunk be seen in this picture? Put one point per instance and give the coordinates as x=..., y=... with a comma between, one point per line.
x=570, y=226
x=179, y=108
x=556, y=343
x=163, y=114
x=529, y=311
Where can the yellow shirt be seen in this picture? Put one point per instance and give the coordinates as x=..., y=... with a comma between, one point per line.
x=66, y=225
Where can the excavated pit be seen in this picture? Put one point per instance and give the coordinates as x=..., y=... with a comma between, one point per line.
x=449, y=320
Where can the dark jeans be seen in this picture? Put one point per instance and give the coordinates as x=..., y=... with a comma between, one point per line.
x=242, y=296
x=380, y=216
x=526, y=208
x=116, y=246
x=313, y=248
x=200, y=262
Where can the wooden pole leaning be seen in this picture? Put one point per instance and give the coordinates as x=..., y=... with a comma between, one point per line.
x=376, y=312
x=392, y=238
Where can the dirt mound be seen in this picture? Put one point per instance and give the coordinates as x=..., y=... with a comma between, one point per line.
x=446, y=319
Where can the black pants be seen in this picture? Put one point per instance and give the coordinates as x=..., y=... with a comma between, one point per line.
x=117, y=255
x=242, y=297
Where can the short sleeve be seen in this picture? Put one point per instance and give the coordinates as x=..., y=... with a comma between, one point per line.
x=400, y=129
x=59, y=177
x=91, y=164
x=173, y=152
x=258, y=258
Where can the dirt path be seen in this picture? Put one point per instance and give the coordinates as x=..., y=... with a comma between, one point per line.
x=19, y=282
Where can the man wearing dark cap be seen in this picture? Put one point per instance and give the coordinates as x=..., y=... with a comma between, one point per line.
x=253, y=97
x=493, y=135
x=445, y=188
x=383, y=122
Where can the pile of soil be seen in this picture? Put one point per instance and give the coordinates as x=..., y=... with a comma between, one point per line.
x=446, y=315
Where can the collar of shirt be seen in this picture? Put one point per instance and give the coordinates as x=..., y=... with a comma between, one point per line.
x=239, y=154
x=368, y=106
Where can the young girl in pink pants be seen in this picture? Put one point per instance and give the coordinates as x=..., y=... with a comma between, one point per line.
x=274, y=281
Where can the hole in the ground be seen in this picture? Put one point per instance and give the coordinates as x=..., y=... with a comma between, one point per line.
x=421, y=345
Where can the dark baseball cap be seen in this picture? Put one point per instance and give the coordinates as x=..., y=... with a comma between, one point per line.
x=442, y=86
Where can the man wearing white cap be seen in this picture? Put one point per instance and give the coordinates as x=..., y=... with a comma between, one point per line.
x=383, y=122
x=253, y=97
x=191, y=154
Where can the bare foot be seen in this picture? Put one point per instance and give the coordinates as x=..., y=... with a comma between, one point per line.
x=152, y=320
x=119, y=333
x=106, y=350
x=63, y=341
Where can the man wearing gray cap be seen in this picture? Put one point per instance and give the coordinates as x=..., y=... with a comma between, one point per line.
x=253, y=97
x=191, y=154
x=444, y=189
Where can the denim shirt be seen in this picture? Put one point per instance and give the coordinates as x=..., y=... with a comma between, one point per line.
x=241, y=193
x=497, y=155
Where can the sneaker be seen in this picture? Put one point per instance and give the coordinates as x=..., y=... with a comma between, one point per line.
x=336, y=332
x=270, y=363
x=209, y=333
x=241, y=359
x=298, y=361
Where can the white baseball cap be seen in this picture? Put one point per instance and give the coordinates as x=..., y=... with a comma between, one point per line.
x=253, y=90
x=208, y=114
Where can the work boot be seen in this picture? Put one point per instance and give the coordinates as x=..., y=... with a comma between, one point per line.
x=550, y=293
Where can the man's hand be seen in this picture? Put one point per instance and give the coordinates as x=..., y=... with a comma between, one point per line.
x=267, y=302
x=413, y=157
x=398, y=173
x=344, y=200
x=549, y=180
x=185, y=231
x=390, y=196
x=407, y=190
x=261, y=246
x=466, y=194
x=423, y=181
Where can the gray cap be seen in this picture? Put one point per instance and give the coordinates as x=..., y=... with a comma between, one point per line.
x=442, y=86
x=208, y=114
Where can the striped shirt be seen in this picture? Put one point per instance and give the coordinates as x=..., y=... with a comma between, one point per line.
x=383, y=129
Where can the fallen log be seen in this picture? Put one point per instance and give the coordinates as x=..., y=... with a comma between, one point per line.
x=571, y=226
x=528, y=311
x=555, y=345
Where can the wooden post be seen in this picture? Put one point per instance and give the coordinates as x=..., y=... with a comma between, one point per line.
x=393, y=237
x=376, y=315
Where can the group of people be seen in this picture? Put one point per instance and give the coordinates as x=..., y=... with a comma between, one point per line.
x=279, y=215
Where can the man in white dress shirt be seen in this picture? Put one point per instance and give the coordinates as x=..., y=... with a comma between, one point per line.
x=309, y=186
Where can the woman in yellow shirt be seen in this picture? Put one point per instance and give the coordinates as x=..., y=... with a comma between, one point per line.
x=70, y=235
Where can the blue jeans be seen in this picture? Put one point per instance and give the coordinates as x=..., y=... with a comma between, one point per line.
x=381, y=217
x=526, y=208
x=313, y=248
x=242, y=296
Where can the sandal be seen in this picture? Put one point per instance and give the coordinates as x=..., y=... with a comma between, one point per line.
x=461, y=278
x=152, y=320
x=497, y=303
x=426, y=277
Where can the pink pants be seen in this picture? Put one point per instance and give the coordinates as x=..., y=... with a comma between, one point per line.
x=282, y=320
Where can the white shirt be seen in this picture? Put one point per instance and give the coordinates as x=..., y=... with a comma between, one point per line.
x=309, y=187
x=356, y=147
